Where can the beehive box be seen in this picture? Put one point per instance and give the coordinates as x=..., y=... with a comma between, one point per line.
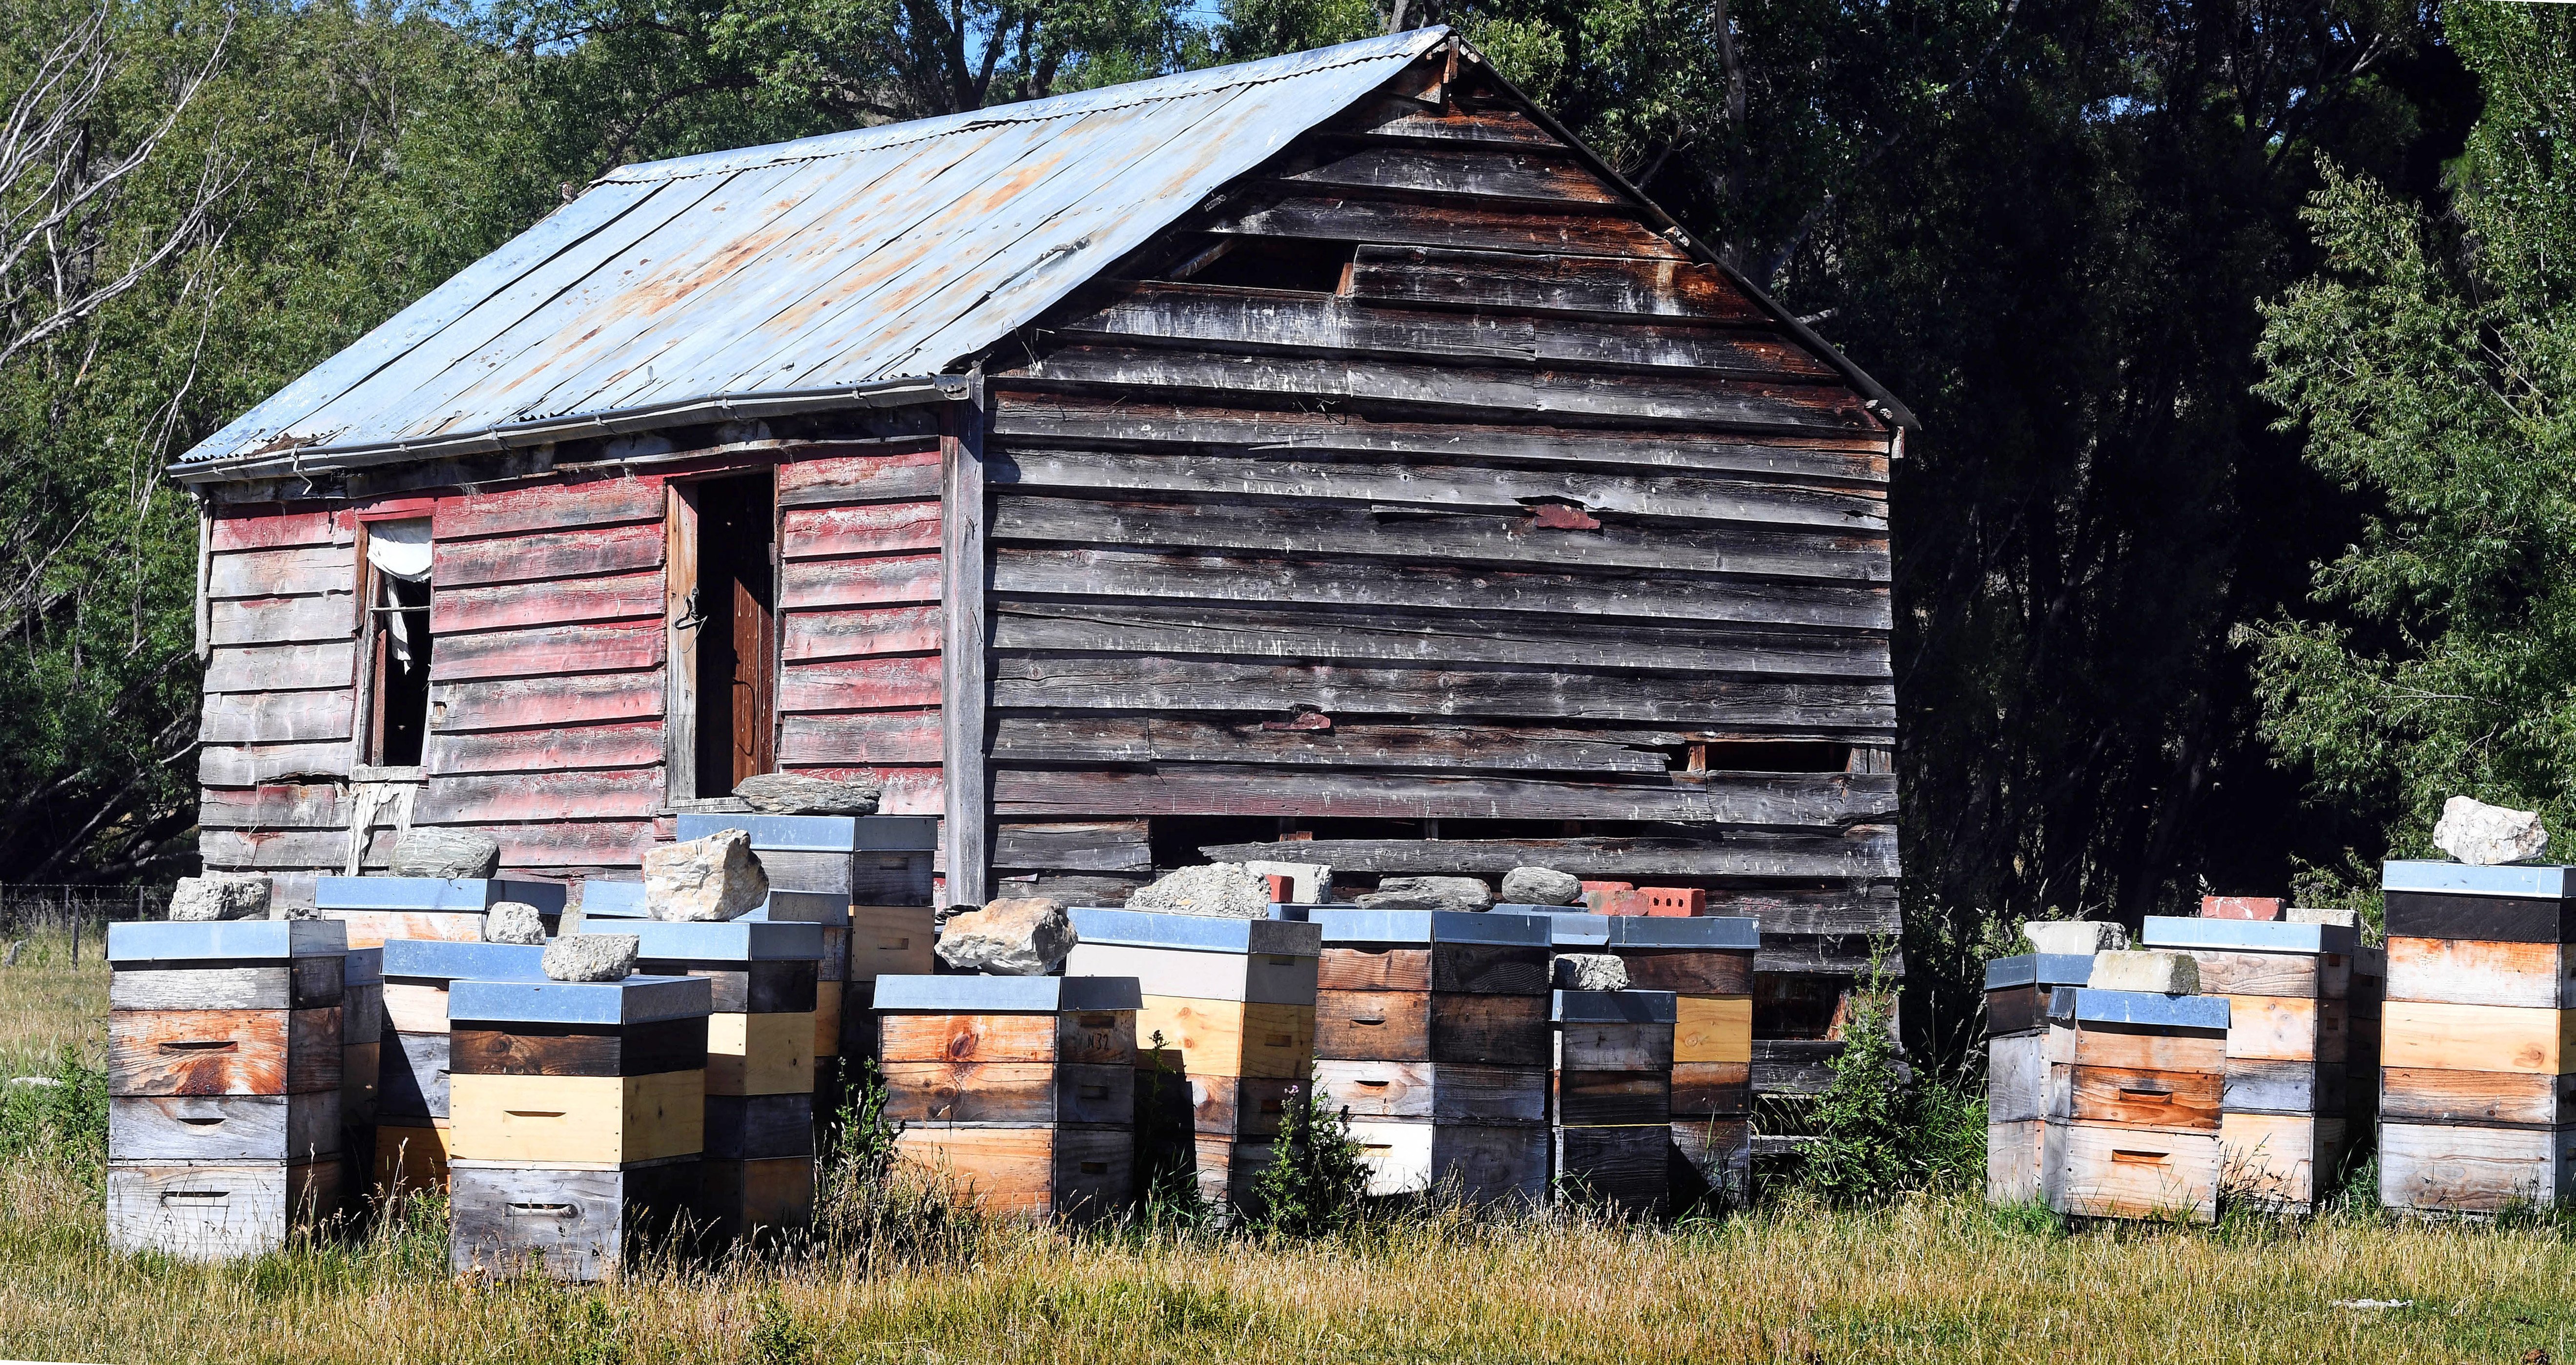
x=2281, y=1129
x=411, y=1143
x=378, y=909
x=1020, y=1090
x=1406, y=999
x=579, y=1113
x=2017, y=1129
x=224, y=1083
x=2135, y=1084
x=1232, y=1003
x=2477, y=1097
x=758, y=1170
x=1610, y=1097
x=1706, y=962
x=872, y=859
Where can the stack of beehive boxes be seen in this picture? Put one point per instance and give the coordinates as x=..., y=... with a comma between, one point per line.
x=2136, y=1080
x=2477, y=1100
x=378, y=909
x=224, y=1057
x=1020, y=1090
x=1432, y=1037
x=1232, y=1003
x=1610, y=1097
x=2281, y=1128
x=1707, y=963
x=579, y=1116
x=759, y=1159
x=829, y=911
x=2017, y=1091
x=880, y=865
x=362, y=1033
x=412, y=1128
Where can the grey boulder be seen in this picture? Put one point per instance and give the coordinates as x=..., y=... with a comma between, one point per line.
x=513, y=922
x=446, y=853
x=1541, y=886
x=2488, y=836
x=711, y=879
x=1016, y=936
x=1428, y=893
x=221, y=895
x=798, y=794
x=591, y=957
x=1590, y=972
x=1223, y=889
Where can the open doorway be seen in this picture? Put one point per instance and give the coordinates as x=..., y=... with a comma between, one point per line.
x=727, y=629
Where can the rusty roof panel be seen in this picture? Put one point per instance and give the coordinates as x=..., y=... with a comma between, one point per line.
x=836, y=262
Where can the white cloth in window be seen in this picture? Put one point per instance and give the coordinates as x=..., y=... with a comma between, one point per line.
x=400, y=552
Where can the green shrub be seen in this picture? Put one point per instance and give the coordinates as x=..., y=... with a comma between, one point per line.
x=1318, y=1182
x=1875, y=1134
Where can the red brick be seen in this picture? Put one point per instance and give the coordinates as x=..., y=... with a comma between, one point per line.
x=2240, y=907
x=1627, y=902
x=1675, y=900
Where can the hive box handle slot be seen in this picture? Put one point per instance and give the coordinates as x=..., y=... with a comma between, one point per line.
x=202, y=1045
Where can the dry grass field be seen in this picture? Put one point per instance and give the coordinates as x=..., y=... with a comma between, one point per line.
x=1935, y=1279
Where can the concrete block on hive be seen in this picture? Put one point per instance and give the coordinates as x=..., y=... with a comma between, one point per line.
x=1469, y=894
x=2152, y=972
x=590, y=957
x=2073, y=937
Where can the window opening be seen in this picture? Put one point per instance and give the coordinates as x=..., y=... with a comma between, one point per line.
x=399, y=643
x=1306, y=265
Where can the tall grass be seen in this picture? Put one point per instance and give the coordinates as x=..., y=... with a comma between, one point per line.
x=898, y=1272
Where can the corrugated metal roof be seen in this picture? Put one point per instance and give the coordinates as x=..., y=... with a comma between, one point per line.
x=830, y=265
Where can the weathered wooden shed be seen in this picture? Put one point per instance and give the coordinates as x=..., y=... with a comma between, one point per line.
x=1323, y=449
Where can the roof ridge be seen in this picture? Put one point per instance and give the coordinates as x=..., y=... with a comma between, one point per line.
x=1411, y=42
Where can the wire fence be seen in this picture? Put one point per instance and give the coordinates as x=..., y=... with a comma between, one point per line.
x=28, y=909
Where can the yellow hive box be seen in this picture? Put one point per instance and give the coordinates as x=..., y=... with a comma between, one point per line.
x=577, y=1121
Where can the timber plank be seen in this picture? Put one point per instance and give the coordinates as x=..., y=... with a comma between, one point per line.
x=282, y=573
x=1734, y=798
x=892, y=475
x=1082, y=845
x=282, y=850
x=276, y=717
x=275, y=806
x=2479, y=972
x=1688, y=971
x=1530, y=174
x=2415, y=1033
x=494, y=798
x=1241, y=428
x=1579, y=285
x=1306, y=631
x=542, y=509
x=1439, y=483
x=247, y=529
x=1401, y=117
x=553, y=749
x=1306, y=527
x=278, y=668
x=550, y=554
x=546, y=602
x=1296, y=322
x=1282, y=211
x=813, y=636
x=861, y=738
x=508, y=703
x=2502, y=1099
x=283, y=620
x=1624, y=594
x=1545, y=391
x=1130, y=682
x=545, y=651
x=858, y=528
x=863, y=684
x=1151, y=739
x=882, y=580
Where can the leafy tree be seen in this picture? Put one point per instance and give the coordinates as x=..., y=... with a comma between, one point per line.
x=2432, y=364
